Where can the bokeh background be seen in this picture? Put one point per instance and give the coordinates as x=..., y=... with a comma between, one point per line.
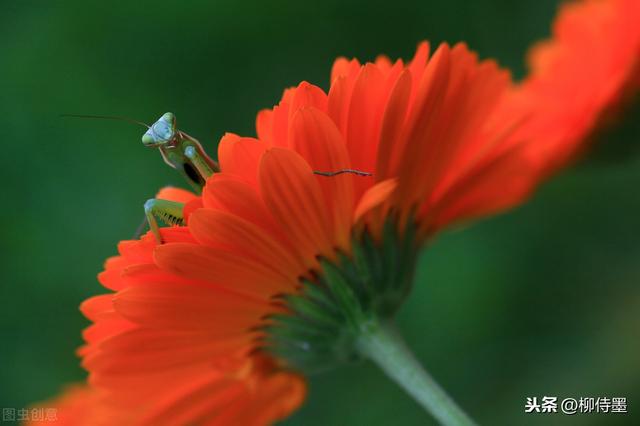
x=542, y=300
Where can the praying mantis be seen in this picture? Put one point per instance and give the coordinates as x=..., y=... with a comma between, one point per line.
x=185, y=154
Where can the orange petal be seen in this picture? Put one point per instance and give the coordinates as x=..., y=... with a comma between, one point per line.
x=338, y=102
x=307, y=95
x=106, y=328
x=138, y=251
x=179, y=195
x=229, y=194
x=239, y=156
x=315, y=137
x=422, y=123
x=195, y=402
x=111, y=277
x=383, y=63
x=280, y=126
x=276, y=398
x=419, y=62
x=98, y=307
x=223, y=268
x=192, y=307
x=264, y=126
x=392, y=123
x=143, y=350
x=293, y=195
x=489, y=188
x=343, y=67
x=365, y=117
x=473, y=94
x=224, y=230
x=376, y=195
x=190, y=207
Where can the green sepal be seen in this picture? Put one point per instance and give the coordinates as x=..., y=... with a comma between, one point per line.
x=310, y=309
x=323, y=321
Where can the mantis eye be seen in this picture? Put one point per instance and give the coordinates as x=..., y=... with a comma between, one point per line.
x=161, y=132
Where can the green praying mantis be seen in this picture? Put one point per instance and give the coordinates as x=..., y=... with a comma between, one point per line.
x=185, y=154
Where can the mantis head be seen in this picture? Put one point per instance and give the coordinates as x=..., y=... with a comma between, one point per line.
x=161, y=132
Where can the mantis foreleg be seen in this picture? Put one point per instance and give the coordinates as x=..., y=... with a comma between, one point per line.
x=198, y=162
x=169, y=212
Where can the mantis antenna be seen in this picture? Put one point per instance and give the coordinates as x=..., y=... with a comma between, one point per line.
x=106, y=117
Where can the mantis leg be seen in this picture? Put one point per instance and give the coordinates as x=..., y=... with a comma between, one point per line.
x=339, y=172
x=169, y=212
x=205, y=169
x=200, y=164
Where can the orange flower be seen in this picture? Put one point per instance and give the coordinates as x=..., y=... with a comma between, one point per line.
x=281, y=271
x=191, y=331
x=578, y=78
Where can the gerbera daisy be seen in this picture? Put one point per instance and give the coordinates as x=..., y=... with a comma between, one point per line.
x=579, y=79
x=281, y=272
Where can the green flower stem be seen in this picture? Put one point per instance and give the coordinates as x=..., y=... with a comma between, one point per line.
x=383, y=345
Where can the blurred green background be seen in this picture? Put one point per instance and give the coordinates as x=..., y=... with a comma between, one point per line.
x=543, y=300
